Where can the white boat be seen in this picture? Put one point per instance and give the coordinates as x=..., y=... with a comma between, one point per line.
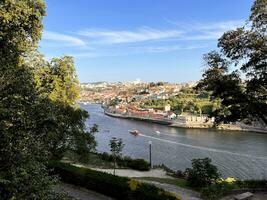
x=134, y=132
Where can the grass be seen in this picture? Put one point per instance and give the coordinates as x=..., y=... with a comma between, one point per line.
x=93, y=161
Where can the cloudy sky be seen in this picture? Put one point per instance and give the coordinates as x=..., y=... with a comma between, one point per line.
x=152, y=40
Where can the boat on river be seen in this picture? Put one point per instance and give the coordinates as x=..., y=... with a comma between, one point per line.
x=134, y=132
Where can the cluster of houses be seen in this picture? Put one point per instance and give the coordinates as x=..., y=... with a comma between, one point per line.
x=129, y=91
x=134, y=111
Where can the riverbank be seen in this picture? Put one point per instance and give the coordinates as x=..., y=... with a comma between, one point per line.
x=194, y=125
x=163, y=122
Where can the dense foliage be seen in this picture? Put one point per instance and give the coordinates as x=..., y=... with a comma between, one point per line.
x=22, y=152
x=242, y=53
x=57, y=85
x=188, y=101
x=223, y=188
x=137, y=164
x=38, y=116
x=120, y=188
x=216, y=191
x=202, y=173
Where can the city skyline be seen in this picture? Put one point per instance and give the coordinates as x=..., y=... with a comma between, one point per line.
x=147, y=40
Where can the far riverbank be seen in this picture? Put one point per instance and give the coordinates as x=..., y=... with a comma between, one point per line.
x=191, y=124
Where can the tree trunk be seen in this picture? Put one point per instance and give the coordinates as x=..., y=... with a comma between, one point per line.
x=114, y=165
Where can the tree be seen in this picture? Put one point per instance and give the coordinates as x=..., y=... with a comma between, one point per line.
x=23, y=174
x=65, y=81
x=58, y=86
x=202, y=173
x=246, y=49
x=116, y=146
x=37, y=119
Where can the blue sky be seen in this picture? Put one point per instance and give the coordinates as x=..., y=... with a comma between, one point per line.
x=153, y=40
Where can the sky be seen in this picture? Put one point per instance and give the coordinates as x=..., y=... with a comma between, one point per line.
x=151, y=40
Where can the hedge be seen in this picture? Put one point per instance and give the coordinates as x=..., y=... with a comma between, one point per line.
x=251, y=184
x=137, y=164
x=215, y=191
x=120, y=188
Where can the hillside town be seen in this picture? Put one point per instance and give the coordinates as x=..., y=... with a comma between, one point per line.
x=126, y=98
x=174, y=104
x=129, y=92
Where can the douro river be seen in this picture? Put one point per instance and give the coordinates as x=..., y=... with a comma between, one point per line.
x=238, y=154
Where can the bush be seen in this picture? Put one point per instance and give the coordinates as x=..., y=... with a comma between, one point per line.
x=120, y=188
x=171, y=172
x=106, y=156
x=216, y=191
x=203, y=173
x=251, y=184
x=137, y=164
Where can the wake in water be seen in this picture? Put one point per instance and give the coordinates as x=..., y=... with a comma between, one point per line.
x=205, y=148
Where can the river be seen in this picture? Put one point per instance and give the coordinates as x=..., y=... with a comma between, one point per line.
x=239, y=154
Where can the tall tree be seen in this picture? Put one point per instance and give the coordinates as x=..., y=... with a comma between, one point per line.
x=58, y=87
x=22, y=154
x=39, y=119
x=243, y=91
x=65, y=81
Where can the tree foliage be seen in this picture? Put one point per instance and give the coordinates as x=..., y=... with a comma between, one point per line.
x=242, y=91
x=202, y=173
x=58, y=86
x=38, y=116
x=22, y=153
x=116, y=146
x=187, y=100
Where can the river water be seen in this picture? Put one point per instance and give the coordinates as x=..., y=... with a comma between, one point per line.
x=239, y=154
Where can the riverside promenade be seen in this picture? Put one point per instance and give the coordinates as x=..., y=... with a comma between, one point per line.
x=182, y=123
x=158, y=121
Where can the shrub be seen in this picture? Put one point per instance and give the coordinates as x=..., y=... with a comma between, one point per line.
x=120, y=188
x=171, y=172
x=106, y=156
x=216, y=191
x=137, y=164
x=203, y=173
x=251, y=184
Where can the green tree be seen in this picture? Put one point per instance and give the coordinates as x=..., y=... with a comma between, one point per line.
x=22, y=154
x=58, y=86
x=202, y=173
x=116, y=146
x=38, y=115
x=246, y=49
x=66, y=87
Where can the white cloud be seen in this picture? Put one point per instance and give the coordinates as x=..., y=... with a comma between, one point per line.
x=180, y=31
x=136, y=50
x=105, y=42
x=218, y=26
x=166, y=48
x=206, y=31
x=63, y=38
x=126, y=36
